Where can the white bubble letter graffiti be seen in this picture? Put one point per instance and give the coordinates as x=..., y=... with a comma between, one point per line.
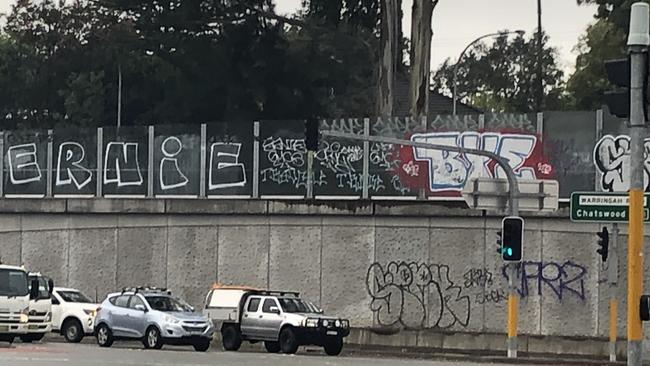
x=23, y=166
x=447, y=170
x=74, y=154
x=225, y=169
x=171, y=147
x=121, y=164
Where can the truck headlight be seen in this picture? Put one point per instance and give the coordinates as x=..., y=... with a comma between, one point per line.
x=345, y=324
x=311, y=323
x=171, y=319
x=24, y=315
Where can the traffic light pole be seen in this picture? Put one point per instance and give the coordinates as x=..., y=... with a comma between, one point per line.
x=612, y=277
x=513, y=210
x=638, y=56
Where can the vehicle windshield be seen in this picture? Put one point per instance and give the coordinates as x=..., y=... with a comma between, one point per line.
x=295, y=305
x=167, y=304
x=13, y=283
x=43, y=287
x=74, y=296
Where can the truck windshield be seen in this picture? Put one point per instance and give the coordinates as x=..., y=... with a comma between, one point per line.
x=13, y=283
x=74, y=296
x=292, y=305
x=167, y=304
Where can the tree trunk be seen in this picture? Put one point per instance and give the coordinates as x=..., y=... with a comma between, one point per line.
x=421, y=56
x=390, y=48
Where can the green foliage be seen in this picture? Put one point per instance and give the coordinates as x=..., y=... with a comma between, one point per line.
x=501, y=77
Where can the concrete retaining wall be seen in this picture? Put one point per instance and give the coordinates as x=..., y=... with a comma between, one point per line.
x=386, y=266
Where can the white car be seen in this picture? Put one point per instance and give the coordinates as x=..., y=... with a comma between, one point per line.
x=73, y=314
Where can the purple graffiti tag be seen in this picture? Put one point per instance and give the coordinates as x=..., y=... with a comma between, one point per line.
x=561, y=278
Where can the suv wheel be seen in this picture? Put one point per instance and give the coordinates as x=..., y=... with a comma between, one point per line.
x=201, y=345
x=288, y=341
x=230, y=338
x=72, y=331
x=272, y=347
x=104, y=336
x=334, y=346
x=152, y=338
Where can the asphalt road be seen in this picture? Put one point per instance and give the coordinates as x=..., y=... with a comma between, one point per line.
x=128, y=354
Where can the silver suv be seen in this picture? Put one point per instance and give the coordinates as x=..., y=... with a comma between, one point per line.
x=153, y=316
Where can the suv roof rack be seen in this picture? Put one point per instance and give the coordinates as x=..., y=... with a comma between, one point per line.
x=278, y=293
x=146, y=289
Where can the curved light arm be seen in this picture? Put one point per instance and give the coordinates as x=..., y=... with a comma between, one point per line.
x=455, y=82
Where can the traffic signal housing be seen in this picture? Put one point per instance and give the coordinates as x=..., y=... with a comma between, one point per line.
x=512, y=228
x=603, y=243
x=499, y=241
x=618, y=100
x=312, y=135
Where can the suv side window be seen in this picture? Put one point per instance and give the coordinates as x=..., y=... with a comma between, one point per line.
x=122, y=301
x=253, y=305
x=268, y=303
x=135, y=300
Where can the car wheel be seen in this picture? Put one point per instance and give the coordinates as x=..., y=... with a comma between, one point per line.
x=201, y=345
x=272, y=347
x=230, y=338
x=104, y=336
x=72, y=331
x=333, y=347
x=288, y=341
x=152, y=338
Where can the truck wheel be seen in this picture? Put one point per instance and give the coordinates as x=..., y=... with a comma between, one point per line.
x=272, y=347
x=104, y=336
x=72, y=331
x=152, y=338
x=201, y=345
x=230, y=338
x=288, y=341
x=333, y=347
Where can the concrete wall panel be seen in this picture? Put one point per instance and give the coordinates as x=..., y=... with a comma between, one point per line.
x=244, y=256
x=93, y=255
x=141, y=257
x=10, y=248
x=47, y=252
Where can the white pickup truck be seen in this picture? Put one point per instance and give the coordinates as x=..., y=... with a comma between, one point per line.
x=281, y=319
x=14, y=301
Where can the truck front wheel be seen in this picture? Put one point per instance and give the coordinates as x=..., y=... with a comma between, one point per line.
x=231, y=338
x=334, y=346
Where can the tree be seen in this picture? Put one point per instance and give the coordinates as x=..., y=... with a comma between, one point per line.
x=391, y=57
x=501, y=77
x=421, y=34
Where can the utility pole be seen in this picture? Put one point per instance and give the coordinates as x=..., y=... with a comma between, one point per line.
x=637, y=42
x=119, y=95
x=540, y=49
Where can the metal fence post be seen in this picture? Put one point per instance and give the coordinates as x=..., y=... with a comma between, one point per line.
x=100, y=162
x=599, y=135
x=256, y=159
x=366, y=159
x=204, y=136
x=150, y=175
x=48, y=181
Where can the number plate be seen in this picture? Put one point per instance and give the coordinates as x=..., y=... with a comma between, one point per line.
x=32, y=326
x=332, y=332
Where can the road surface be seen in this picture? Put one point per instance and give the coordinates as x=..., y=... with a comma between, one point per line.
x=129, y=354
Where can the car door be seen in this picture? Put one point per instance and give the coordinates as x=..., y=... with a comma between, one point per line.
x=119, y=316
x=57, y=309
x=270, y=319
x=250, y=322
x=135, y=319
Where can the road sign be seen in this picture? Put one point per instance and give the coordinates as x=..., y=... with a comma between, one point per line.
x=492, y=194
x=603, y=207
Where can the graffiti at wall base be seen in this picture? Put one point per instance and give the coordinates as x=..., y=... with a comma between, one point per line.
x=416, y=295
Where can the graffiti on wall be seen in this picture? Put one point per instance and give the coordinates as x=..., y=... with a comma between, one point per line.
x=487, y=290
x=612, y=159
x=416, y=295
x=555, y=279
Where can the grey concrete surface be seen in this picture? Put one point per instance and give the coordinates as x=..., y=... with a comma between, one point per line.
x=371, y=262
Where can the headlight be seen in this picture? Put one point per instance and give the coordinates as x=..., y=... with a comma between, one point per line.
x=90, y=312
x=311, y=323
x=326, y=323
x=345, y=324
x=337, y=323
x=171, y=319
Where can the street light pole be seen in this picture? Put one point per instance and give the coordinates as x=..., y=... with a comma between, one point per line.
x=455, y=82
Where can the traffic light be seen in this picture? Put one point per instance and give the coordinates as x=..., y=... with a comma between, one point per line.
x=603, y=243
x=513, y=238
x=312, y=135
x=618, y=73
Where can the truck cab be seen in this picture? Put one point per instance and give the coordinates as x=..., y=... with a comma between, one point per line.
x=15, y=295
x=40, y=308
x=280, y=319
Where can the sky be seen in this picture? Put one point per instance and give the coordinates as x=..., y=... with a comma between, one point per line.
x=457, y=22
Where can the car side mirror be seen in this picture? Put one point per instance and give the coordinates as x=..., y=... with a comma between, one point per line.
x=33, y=291
x=274, y=310
x=140, y=307
x=50, y=284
